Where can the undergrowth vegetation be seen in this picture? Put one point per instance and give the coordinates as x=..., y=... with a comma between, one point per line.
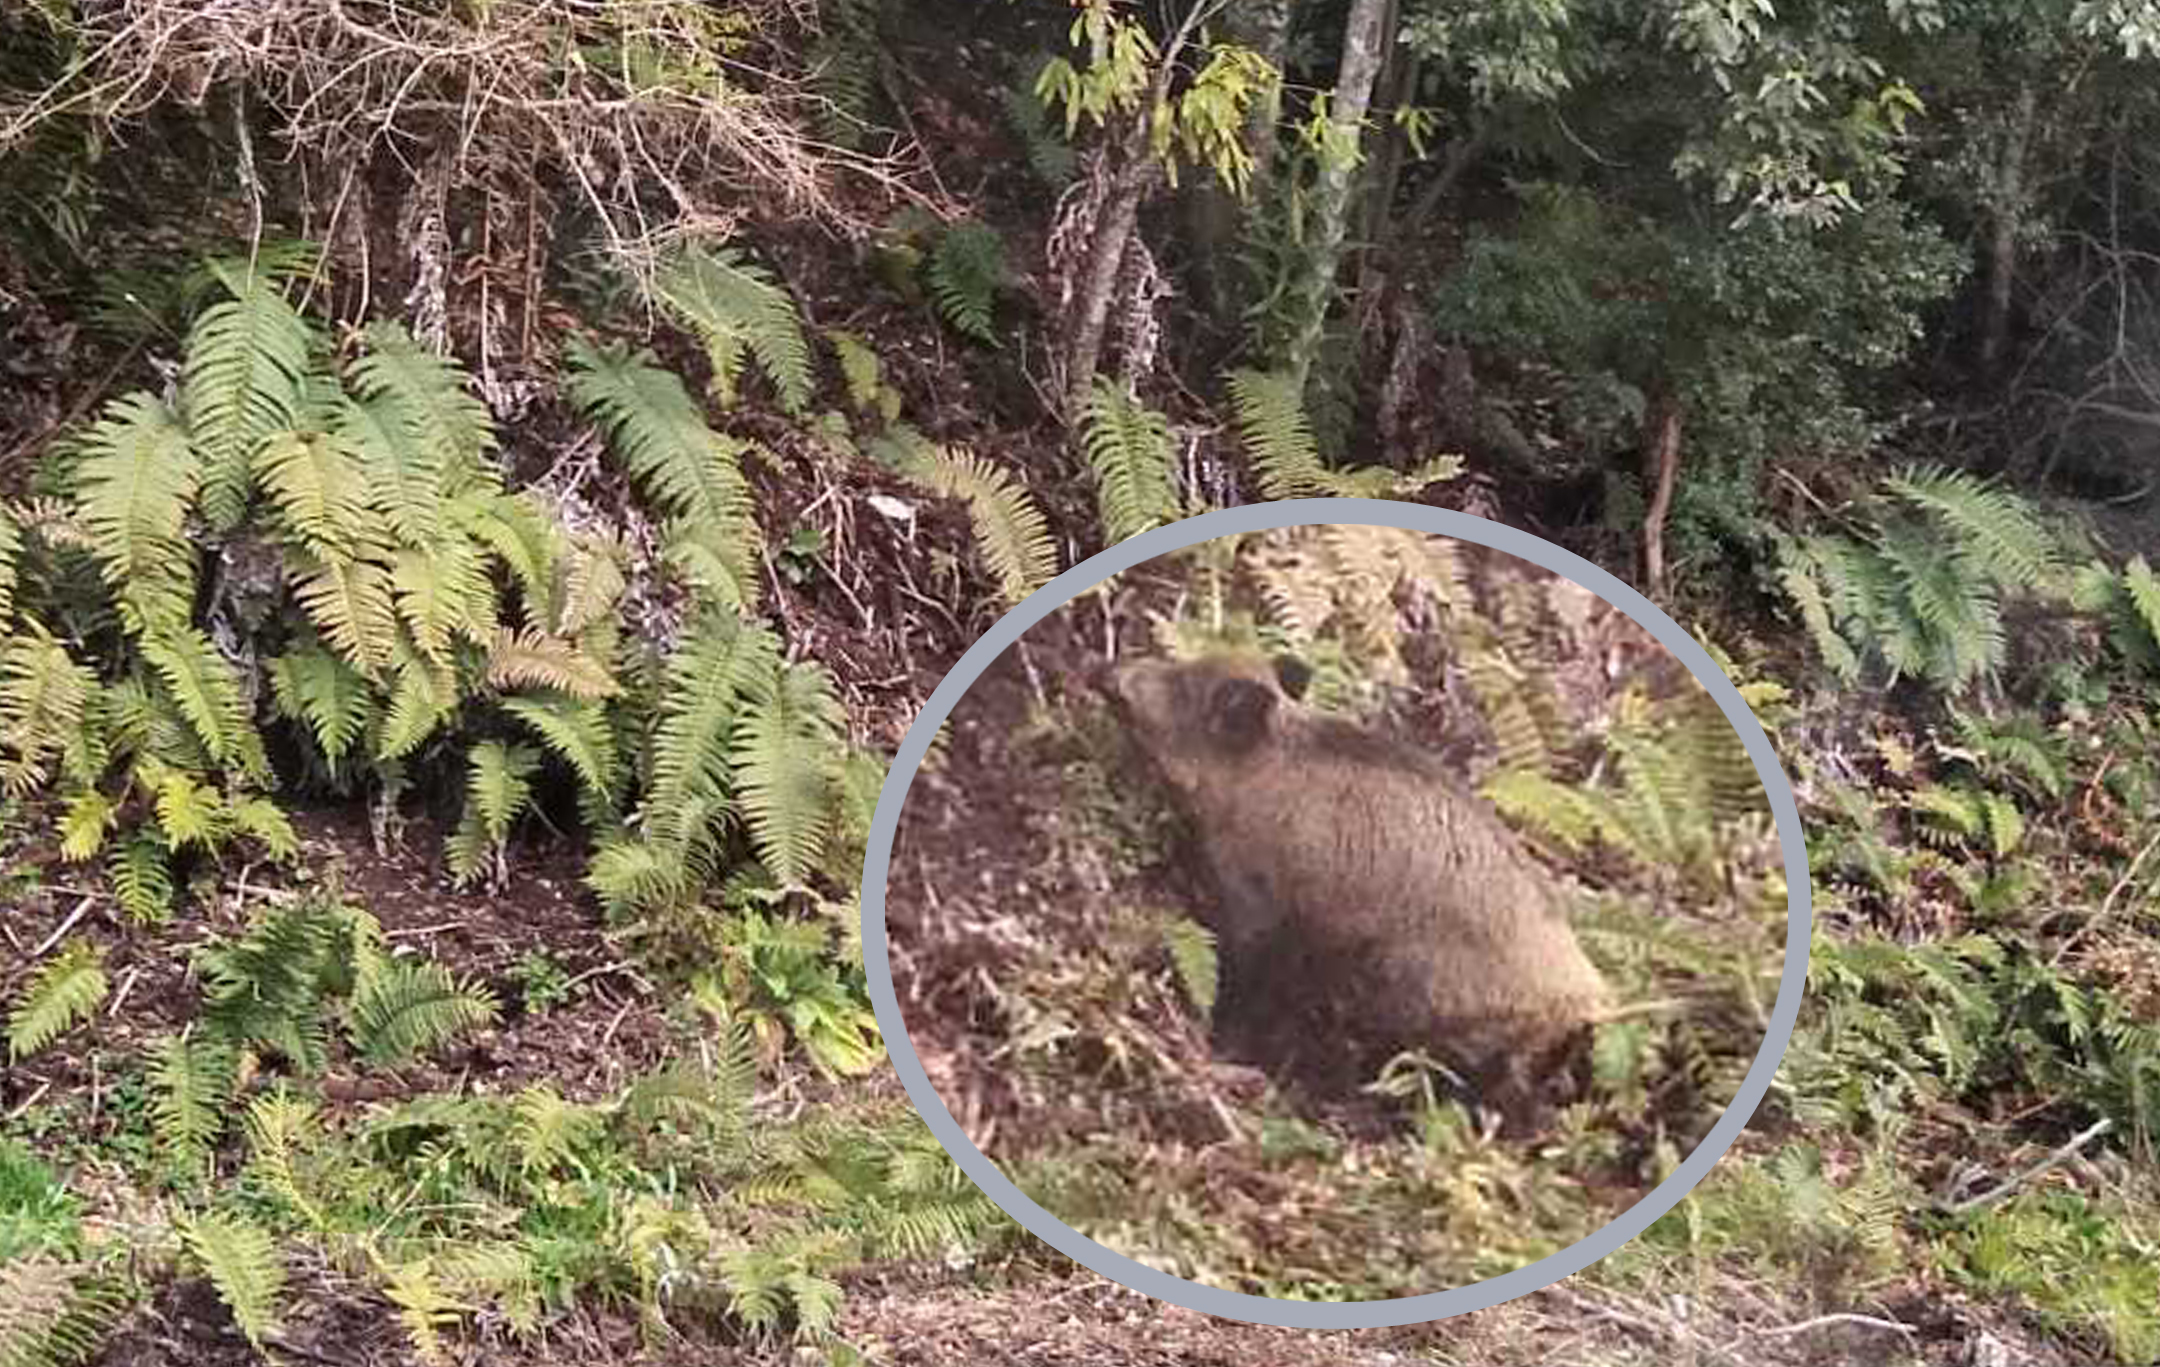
x=485, y=487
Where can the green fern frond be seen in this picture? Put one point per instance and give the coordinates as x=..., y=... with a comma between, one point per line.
x=1049, y=156
x=422, y=696
x=1278, y=435
x=786, y=756
x=2142, y=587
x=443, y=591
x=321, y=492
x=863, y=373
x=1128, y=447
x=529, y=541
x=736, y=310
x=89, y=818
x=592, y=584
x=499, y=785
x=316, y=688
x=706, y=680
x=243, y=379
x=263, y=821
x=628, y=874
x=191, y=1080
x=133, y=485
x=351, y=604
x=241, y=1260
x=1010, y=529
x=190, y=812
x=965, y=271
x=427, y=398
x=412, y=1006
x=204, y=688
x=43, y=697
x=547, y=1132
x=280, y=1127
x=691, y=471
x=1995, y=528
x=142, y=877
x=1571, y=815
x=576, y=732
x=534, y=659
x=65, y=991
x=425, y=1306
x=53, y=1312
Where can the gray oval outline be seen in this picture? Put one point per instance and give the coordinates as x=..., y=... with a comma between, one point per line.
x=1237, y=1305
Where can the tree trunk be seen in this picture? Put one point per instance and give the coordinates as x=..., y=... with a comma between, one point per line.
x=1106, y=257
x=1365, y=38
x=2002, y=237
x=1661, y=428
x=1397, y=87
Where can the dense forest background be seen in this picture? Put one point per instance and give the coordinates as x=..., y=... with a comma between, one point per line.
x=484, y=485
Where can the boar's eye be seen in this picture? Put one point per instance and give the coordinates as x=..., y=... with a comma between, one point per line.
x=1243, y=708
x=1293, y=674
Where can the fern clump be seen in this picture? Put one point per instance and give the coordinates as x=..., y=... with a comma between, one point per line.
x=241, y=1260
x=692, y=472
x=1918, y=590
x=1010, y=529
x=737, y=311
x=1128, y=447
x=965, y=271
x=65, y=992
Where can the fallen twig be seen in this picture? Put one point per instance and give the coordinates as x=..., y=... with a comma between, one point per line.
x=60, y=931
x=2004, y=1189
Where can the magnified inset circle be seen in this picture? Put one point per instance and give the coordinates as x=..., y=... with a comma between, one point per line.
x=1251, y=708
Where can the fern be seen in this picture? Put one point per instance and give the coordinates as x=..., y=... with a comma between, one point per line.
x=736, y=310
x=1278, y=435
x=1128, y=447
x=241, y=1260
x=691, y=471
x=498, y=790
x=204, y=689
x=422, y=696
x=44, y=695
x=441, y=429
x=2142, y=588
x=1993, y=527
x=411, y=1006
x=1049, y=156
x=576, y=732
x=1010, y=529
x=312, y=686
x=864, y=376
x=133, y=485
x=265, y=988
x=787, y=752
x=443, y=591
x=141, y=876
x=53, y=1312
x=247, y=361
x=66, y=991
x=191, y=1080
x=320, y=491
x=965, y=271
x=351, y=604
x=845, y=68
x=534, y=659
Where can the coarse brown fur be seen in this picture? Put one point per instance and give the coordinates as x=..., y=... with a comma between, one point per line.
x=1368, y=901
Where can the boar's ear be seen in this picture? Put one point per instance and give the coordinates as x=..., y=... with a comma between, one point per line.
x=1242, y=711
x=1293, y=674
